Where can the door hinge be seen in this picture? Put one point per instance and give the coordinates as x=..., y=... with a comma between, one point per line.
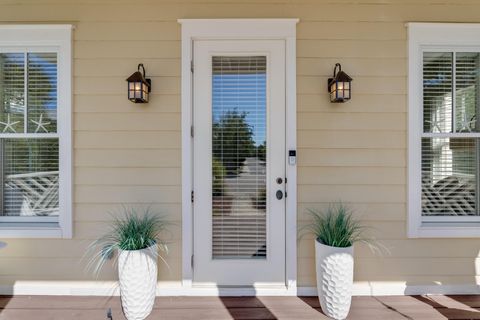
x=191, y=131
x=191, y=66
x=192, y=196
x=191, y=261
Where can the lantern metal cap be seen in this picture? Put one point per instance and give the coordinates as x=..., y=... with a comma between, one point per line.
x=140, y=77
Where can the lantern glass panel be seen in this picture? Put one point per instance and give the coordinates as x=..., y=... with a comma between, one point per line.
x=341, y=90
x=333, y=87
x=138, y=90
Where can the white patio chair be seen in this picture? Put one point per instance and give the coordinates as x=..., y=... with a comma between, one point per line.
x=39, y=192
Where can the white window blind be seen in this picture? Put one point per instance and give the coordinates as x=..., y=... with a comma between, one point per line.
x=450, y=139
x=29, y=143
x=239, y=145
x=42, y=92
x=12, y=93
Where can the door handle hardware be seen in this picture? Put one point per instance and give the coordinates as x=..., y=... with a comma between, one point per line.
x=279, y=194
x=279, y=181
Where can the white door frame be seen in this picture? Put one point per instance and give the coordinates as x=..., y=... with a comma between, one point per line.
x=247, y=29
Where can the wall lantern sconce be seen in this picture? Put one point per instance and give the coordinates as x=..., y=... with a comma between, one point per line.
x=138, y=86
x=340, y=86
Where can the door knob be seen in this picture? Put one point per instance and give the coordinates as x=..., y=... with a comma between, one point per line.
x=279, y=194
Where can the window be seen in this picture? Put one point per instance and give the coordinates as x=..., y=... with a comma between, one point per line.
x=35, y=131
x=444, y=130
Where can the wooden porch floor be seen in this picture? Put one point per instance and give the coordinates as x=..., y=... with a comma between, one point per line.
x=212, y=308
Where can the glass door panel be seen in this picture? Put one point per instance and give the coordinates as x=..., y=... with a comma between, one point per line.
x=239, y=157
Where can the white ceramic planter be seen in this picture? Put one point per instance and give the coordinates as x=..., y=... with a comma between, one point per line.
x=334, y=279
x=137, y=273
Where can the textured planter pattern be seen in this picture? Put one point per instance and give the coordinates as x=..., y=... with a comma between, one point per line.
x=137, y=273
x=334, y=279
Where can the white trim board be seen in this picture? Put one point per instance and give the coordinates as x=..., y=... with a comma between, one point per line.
x=111, y=288
x=231, y=29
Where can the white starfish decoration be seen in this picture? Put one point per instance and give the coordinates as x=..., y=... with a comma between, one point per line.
x=435, y=123
x=40, y=124
x=9, y=124
x=466, y=124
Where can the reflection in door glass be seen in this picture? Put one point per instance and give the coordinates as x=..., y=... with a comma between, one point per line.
x=239, y=146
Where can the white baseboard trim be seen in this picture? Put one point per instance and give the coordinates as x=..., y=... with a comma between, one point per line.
x=79, y=288
x=386, y=289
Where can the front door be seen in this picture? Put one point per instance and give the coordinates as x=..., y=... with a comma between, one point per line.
x=239, y=162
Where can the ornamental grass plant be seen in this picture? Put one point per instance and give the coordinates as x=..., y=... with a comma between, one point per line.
x=336, y=226
x=134, y=229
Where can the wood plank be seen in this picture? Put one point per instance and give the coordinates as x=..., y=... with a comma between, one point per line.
x=467, y=300
x=389, y=307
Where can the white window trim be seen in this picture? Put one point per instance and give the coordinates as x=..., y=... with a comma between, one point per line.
x=230, y=29
x=432, y=37
x=34, y=37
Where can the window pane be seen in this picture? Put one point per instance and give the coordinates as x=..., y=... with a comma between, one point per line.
x=42, y=92
x=238, y=160
x=449, y=176
x=30, y=174
x=437, y=92
x=12, y=93
x=467, y=83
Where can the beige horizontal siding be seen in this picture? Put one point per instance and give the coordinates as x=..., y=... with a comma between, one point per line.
x=103, y=212
x=351, y=157
x=346, y=139
x=124, y=139
x=116, y=85
x=127, y=158
x=366, y=211
x=355, y=152
x=127, y=122
x=364, y=66
x=378, y=269
x=355, y=121
x=351, y=176
x=167, y=67
x=371, y=103
x=131, y=194
x=117, y=103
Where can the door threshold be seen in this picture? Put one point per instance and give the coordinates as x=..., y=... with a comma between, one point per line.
x=256, y=290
